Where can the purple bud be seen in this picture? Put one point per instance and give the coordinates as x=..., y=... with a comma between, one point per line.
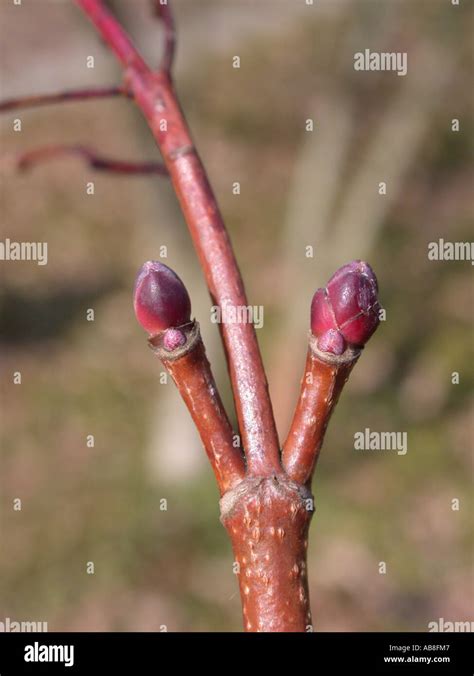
x=348, y=304
x=332, y=341
x=172, y=339
x=160, y=298
x=322, y=316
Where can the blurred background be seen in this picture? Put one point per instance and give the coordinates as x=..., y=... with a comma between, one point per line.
x=102, y=503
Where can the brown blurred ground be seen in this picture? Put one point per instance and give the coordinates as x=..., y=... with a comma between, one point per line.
x=102, y=504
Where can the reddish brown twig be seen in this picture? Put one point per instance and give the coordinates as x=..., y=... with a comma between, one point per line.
x=61, y=97
x=343, y=317
x=30, y=158
x=155, y=96
x=267, y=519
x=321, y=385
x=191, y=371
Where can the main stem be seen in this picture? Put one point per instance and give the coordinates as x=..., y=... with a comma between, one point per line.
x=155, y=95
x=267, y=520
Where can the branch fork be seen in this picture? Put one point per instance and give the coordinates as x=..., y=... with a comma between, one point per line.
x=267, y=516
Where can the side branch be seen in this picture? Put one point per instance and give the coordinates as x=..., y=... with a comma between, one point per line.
x=343, y=317
x=30, y=158
x=323, y=380
x=61, y=97
x=190, y=369
x=163, y=308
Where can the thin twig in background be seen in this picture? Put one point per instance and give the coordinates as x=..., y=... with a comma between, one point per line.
x=30, y=158
x=164, y=13
x=72, y=95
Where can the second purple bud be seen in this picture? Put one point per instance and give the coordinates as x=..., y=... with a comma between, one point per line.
x=347, y=309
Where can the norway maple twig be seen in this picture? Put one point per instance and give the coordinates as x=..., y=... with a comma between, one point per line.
x=191, y=372
x=35, y=100
x=266, y=505
x=343, y=317
x=155, y=96
x=163, y=308
x=30, y=158
x=321, y=385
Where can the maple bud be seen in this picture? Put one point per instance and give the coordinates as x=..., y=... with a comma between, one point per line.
x=160, y=300
x=173, y=338
x=347, y=310
x=332, y=341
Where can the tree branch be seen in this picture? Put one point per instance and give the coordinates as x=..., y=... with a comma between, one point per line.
x=61, y=97
x=163, y=308
x=344, y=315
x=265, y=507
x=30, y=158
x=156, y=98
x=191, y=372
x=324, y=377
